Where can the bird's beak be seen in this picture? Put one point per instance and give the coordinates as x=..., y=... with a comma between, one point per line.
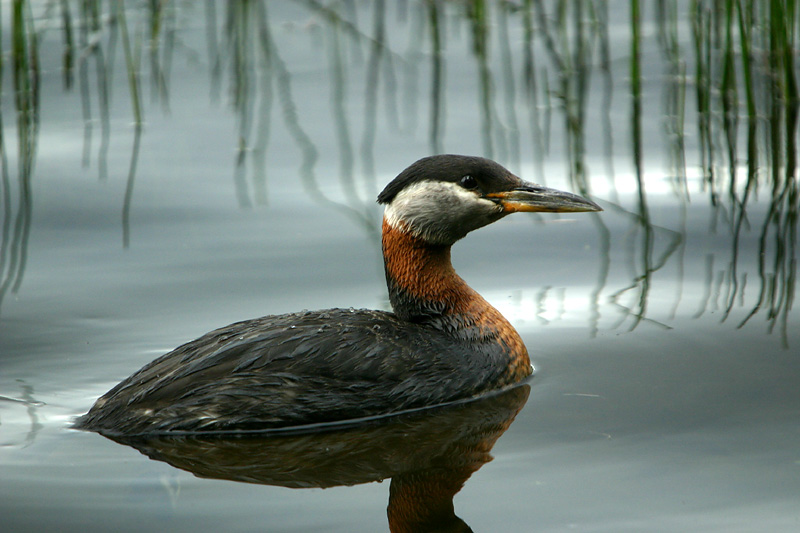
x=529, y=197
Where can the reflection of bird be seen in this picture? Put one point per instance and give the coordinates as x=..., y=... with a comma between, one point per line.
x=443, y=342
x=429, y=454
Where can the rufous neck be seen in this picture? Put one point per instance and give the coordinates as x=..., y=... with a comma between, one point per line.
x=421, y=279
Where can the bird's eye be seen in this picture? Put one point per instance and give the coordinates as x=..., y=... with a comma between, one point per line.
x=468, y=182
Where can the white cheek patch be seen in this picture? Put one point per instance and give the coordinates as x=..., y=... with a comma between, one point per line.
x=440, y=212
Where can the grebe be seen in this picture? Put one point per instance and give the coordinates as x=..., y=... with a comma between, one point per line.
x=442, y=343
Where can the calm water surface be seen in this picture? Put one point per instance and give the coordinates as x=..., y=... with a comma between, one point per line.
x=663, y=330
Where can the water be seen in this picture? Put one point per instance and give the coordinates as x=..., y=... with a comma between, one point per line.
x=663, y=329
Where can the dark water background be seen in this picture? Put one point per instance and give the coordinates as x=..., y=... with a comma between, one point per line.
x=169, y=168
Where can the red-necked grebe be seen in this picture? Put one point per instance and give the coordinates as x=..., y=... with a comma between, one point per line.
x=443, y=342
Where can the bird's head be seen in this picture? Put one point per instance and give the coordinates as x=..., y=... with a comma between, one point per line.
x=443, y=197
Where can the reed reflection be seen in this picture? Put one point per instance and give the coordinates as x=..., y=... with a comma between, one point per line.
x=568, y=40
x=757, y=57
x=428, y=455
x=260, y=77
x=90, y=24
x=26, y=90
x=25, y=398
x=132, y=67
x=646, y=264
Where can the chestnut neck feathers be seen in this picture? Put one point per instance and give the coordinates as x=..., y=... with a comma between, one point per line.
x=422, y=282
